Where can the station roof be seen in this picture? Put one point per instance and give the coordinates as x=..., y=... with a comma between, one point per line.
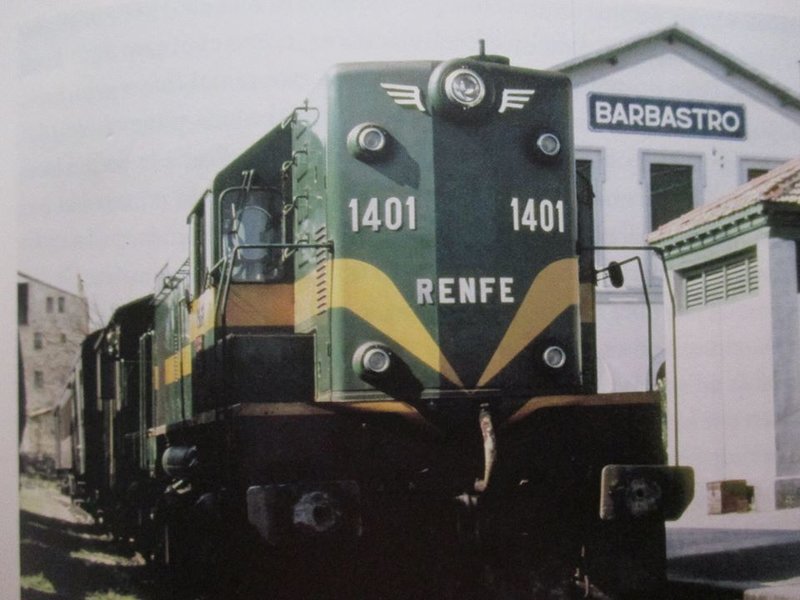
x=677, y=35
x=775, y=191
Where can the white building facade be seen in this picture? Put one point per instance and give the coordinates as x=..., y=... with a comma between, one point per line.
x=664, y=124
x=735, y=268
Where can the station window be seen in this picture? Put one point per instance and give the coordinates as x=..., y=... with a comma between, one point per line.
x=38, y=341
x=61, y=304
x=583, y=172
x=672, y=186
x=723, y=279
x=584, y=169
x=749, y=169
x=22, y=304
x=671, y=192
x=38, y=379
x=590, y=167
x=797, y=263
x=49, y=303
x=584, y=186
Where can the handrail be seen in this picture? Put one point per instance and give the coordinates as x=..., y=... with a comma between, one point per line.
x=170, y=282
x=660, y=253
x=648, y=306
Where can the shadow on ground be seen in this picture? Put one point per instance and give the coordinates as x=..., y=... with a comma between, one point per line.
x=75, y=561
x=737, y=556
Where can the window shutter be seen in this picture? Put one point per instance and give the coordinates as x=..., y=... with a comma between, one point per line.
x=720, y=280
x=694, y=291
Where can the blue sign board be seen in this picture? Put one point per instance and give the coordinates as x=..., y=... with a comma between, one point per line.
x=669, y=116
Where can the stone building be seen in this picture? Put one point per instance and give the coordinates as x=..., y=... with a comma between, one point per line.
x=51, y=325
x=735, y=268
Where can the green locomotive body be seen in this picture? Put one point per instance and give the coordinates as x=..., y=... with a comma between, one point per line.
x=383, y=341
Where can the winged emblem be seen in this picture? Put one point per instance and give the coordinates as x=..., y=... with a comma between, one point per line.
x=405, y=95
x=515, y=98
x=411, y=96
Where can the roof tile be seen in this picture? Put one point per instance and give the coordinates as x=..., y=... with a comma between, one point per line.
x=779, y=186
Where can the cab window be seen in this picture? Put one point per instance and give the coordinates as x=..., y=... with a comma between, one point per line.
x=251, y=220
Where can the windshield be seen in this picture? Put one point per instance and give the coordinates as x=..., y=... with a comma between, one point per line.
x=251, y=218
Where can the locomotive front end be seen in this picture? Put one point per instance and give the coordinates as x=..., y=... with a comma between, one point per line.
x=452, y=315
x=449, y=201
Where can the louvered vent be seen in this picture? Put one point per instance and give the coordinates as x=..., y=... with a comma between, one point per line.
x=730, y=277
x=321, y=259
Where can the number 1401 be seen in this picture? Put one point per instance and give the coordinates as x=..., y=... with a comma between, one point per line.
x=543, y=214
x=392, y=213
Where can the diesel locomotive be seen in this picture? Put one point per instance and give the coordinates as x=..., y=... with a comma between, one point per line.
x=375, y=375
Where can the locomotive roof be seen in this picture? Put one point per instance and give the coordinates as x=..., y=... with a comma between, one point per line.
x=132, y=305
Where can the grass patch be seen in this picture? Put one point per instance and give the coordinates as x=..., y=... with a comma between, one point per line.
x=38, y=583
x=103, y=558
x=110, y=595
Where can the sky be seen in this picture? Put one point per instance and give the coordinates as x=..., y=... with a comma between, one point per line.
x=122, y=112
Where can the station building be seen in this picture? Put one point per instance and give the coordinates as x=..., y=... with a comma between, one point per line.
x=666, y=124
x=663, y=124
x=735, y=268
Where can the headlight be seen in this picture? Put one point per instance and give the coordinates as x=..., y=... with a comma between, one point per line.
x=376, y=360
x=463, y=90
x=371, y=139
x=465, y=87
x=548, y=144
x=372, y=360
x=554, y=357
x=367, y=141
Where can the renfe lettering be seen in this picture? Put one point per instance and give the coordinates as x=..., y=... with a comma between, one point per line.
x=660, y=115
x=465, y=290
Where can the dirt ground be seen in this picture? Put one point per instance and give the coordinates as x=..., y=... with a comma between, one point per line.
x=64, y=555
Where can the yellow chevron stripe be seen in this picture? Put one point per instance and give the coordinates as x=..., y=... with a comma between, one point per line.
x=370, y=294
x=551, y=293
x=305, y=301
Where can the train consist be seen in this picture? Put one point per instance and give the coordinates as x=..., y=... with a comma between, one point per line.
x=375, y=373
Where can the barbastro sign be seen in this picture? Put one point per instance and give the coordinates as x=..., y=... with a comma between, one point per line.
x=669, y=116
